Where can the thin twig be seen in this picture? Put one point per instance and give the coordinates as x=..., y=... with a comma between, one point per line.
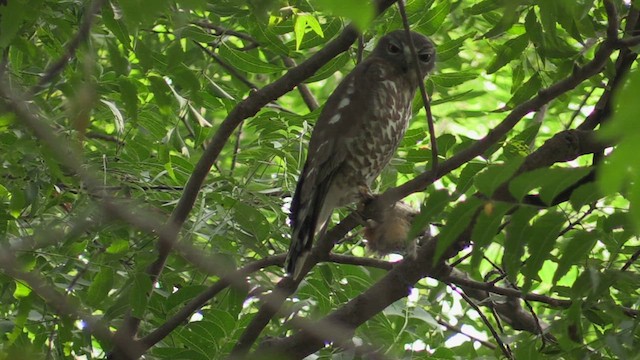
x=501, y=345
x=105, y=137
x=503, y=274
x=572, y=224
x=425, y=96
x=236, y=149
x=230, y=69
x=580, y=106
x=222, y=31
x=72, y=47
x=631, y=260
x=306, y=94
x=460, y=331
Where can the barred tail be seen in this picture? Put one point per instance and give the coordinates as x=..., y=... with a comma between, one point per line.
x=306, y=208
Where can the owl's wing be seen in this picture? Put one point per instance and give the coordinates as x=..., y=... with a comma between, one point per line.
x=338, y=123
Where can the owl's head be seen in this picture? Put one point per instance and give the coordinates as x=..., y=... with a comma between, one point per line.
x=395, y=48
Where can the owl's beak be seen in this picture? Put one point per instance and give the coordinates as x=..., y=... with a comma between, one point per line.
x=408, y=58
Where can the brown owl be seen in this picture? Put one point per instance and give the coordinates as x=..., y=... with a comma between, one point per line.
x=356, y=135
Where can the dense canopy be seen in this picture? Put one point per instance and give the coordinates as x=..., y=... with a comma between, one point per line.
x=150, y=148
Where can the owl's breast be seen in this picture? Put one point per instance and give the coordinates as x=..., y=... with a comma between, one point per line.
x=384, y=122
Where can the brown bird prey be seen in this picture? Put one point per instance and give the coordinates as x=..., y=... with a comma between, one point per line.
x=355, y=137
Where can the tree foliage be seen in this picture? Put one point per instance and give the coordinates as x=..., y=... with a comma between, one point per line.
x=150, y=149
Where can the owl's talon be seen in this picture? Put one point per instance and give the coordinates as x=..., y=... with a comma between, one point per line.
x=365, y=192
x=366, y=197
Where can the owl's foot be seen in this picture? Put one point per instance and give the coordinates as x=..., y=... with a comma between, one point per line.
x=366, y=197
x=365, y=193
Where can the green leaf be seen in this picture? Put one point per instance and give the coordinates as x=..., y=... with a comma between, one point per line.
x=467, y=176
x=534, y=29
x=484, y=7
x=516, y=239
x=620, y=170
x=329, y=68
x=12, y=14
x=246, y=61
x=118, y=247
x=507, y=52
x=304, y=21
x=551, y=181
x=435, y=17
x=139, y=295
x=542, y=238
x=100, y=286
x=451, y=48
x=452, y=79
x=435, y=204
x=495, y=175
x=457, y=222
x=509, y=17
x=129, y=96
x=178, y=353
x=585, y=194
x=202, y=336
x=575, y=251
x=161, y=92
x=299, y=28
x=252, y=220
x=486, y=228
x=183, y=295
x=117, y=27
x=462, y=96
x=526, y=91
x=120, y=64
x=266, y=36
x=21, y=290
x=360, y=13
x=195, y=33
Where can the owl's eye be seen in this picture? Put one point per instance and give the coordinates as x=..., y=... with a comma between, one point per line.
x=393, y=49
x=424, y=57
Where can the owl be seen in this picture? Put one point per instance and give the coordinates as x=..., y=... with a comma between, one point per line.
x=356, y=136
